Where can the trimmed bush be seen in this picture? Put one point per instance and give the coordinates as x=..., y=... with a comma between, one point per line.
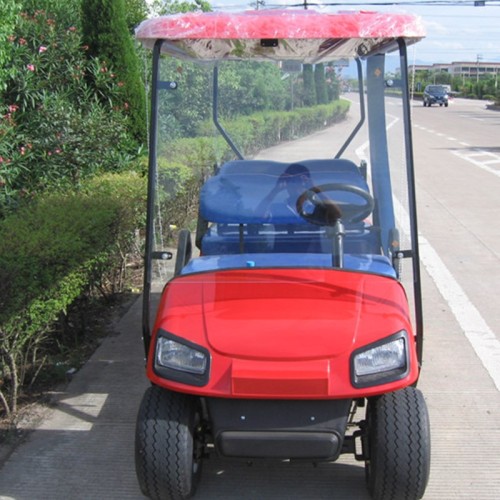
x=65, y=246
x=260, y=130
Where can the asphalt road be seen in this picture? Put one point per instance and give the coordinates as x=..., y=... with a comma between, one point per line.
x=84, y=448
x=457, y=155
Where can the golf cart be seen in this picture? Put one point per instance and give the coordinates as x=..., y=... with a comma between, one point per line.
x=291, y=324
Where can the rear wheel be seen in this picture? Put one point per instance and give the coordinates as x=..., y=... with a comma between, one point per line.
x=398, y=440
x=167, y=451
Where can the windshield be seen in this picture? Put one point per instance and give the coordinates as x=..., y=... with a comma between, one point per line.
x=278, y=179
x=436, y=89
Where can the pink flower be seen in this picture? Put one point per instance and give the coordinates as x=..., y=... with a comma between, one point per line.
x=13, y=108
x=57, y=151
x=72, y=28
x=22, y=41
x=42, y=49
x=30, y=67
x=22, y=149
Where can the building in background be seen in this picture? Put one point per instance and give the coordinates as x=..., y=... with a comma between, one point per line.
x=475, y=69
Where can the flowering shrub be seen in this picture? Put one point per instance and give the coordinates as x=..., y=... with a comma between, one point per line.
x=59, y=122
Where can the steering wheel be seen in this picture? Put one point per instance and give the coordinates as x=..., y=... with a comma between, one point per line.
x=326, y=212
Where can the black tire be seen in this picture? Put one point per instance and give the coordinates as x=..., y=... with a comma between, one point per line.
x=166, y=445
x=184, y=250
x=399, y=447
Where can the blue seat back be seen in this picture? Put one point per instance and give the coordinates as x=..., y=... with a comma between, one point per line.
x=236, y=193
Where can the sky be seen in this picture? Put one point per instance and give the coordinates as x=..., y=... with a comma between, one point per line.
x=457, y=31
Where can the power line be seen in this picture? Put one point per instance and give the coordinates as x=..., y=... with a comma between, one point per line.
x=404, y=3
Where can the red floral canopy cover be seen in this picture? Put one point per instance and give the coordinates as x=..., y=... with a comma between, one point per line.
x=305, y=35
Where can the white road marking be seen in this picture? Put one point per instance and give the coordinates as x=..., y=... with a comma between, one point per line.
x=474, y=327
x=481, y=164
x=470, y=156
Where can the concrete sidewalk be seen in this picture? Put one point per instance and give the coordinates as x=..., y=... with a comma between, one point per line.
x=84, y=447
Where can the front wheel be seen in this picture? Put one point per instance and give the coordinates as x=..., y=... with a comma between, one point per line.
x=398, y=455
x=167, y=451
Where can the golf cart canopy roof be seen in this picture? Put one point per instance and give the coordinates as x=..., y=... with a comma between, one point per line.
x=304, y=35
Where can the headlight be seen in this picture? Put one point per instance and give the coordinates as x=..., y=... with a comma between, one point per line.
x=382, y=362
x=172, y=354
x=181, y=360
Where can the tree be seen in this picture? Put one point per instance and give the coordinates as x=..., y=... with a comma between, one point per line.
x=106, y=34
x=136, y=11
x=309, y=86
x=333, y=83
x=320, y=84
x=176, y=6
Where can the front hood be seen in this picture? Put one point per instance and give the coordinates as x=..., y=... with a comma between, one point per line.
x=285, y=314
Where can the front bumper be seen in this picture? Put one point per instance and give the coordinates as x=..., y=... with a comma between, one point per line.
x=438, y=100
x=283, y=429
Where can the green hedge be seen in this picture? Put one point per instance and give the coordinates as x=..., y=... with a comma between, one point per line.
x=52, y=252
x=258, y=131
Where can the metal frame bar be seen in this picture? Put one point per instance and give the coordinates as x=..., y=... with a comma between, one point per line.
x=152, y=170
x=412, y=200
